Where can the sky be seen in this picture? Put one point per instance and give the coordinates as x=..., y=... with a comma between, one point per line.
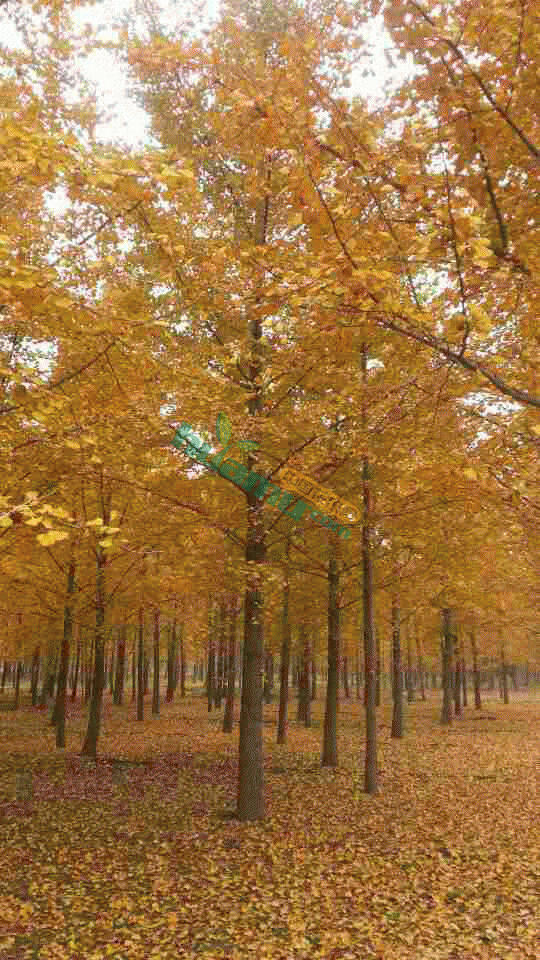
x=126, y=121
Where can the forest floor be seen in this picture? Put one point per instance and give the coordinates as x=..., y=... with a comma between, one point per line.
x=141, y=862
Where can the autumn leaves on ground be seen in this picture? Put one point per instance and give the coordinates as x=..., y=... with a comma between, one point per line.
x=141, y=860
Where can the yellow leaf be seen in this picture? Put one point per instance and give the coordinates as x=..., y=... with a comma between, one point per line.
x=536, y=429
x=46, y=539
x=6, y=522
x=470, y=474
x=106, y=543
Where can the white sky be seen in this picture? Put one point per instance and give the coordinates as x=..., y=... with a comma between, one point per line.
x=126, y=120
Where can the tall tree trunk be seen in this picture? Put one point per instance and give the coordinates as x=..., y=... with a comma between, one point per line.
x=35, y=675
x=171, y=660
x=134, y=666
x=120, y=671
x=285, y=657
x=221, y=638
x=210, y=670
x=17, y=685
x=77, y=669
x=140, y=666
x=446, y=668
x=370, y=648
x=89, y=747
x=457, y=677
x=5, y=666
x=504, y=674
x=330, y=749
x=409, y=678
x=268, y=687
x=346, y=687
x=64, y=656
x=306, y=684
x=182, y=661
x=397, y=683
x=463, y=671
x=228, y=714
x=419, y=660
x=89, y=659
x=155, y=677
x=250, y=803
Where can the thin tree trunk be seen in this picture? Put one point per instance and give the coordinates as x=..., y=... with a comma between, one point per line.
x=89, y=747
x=306, y=685
x=35, y=675
x=463, y=671
x=285, y=657
x=504, y=675
x=457, y=677
x=330, y=749
x=171, y=660
x=155, y=676
x=228, y=714
x=419, y=660
x=446, y=660
x=182, y=662
x=397, y=684
x=64, y=657
x=221, y=638
x=140, y=667
x=120, y=671
x=370, y=648
x=17, y=685
x=250, y=802
x=4, y=676
x=210, y=670
x=134, y=667
x=409, y=677
x=346, y=687
x=77, y=667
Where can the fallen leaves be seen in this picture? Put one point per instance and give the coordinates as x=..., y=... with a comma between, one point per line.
x=439, y=865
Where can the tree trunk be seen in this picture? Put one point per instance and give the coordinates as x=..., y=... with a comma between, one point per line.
x=182, y=662
x=306, y=685
x=134, y=667
x=140, y=667
x=370, y=648
x=446, y=660
x=146, y=673
x=346, y=685
x=120, y=671
x=77, y=667
x=221, y=636
x=4, y=676
x=457, y=677
x=228, y=714
x=397, y=683
x=268, y=687
x=210, y=670
x=155, y=677
x=250, y=802
x=89, y=747
x=171, y=660
x=330, y=749
x=409, y=676
x=64, y=657
x=419, y=660
x=17, y=685
x=285, y=657
x=88, y=671
x=504, y=675
x=463, y=671
x=35, y=676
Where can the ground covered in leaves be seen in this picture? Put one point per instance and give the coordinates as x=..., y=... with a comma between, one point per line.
x=139, y=860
